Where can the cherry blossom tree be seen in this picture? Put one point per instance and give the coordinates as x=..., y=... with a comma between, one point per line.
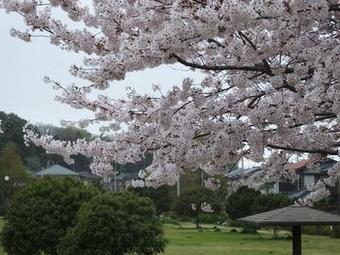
x=271, y=88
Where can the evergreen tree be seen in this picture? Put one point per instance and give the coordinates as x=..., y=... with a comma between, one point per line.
x=13, y=174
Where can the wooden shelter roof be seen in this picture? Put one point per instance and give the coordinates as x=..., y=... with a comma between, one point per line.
x=294, y=215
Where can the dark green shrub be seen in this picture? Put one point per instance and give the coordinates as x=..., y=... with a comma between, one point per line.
x=115, y=223
x=40, y=215
x=161, y=197
x=213, y=218
x=335, y=232
x=239, y=204
x=317, y=230
x=207, y=218
x=327, y=204
x=270, y=201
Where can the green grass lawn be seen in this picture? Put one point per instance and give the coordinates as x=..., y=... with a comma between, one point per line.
x=185, y=240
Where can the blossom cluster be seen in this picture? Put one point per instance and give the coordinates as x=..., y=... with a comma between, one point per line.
x=271, y=86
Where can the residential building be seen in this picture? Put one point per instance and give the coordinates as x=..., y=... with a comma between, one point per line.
x=309, y=172
x=56, y=171
x=123, y=181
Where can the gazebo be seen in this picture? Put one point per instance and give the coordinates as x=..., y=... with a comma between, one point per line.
x=293, y=216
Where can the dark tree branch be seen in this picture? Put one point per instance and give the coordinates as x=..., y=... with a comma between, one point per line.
x=215, y=42
x=262, y=68
x=313, y=151
x=256, y=68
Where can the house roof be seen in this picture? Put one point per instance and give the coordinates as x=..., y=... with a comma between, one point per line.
x=243, y=172
x=323, y=167
x=87, y=175
x=126, y=176
x=294, y=215
x=298, y=165
x=56, y=170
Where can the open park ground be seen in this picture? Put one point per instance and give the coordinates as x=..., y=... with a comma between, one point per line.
x=184, y=239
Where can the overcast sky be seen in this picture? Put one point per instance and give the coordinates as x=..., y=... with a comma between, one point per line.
x=23, y=66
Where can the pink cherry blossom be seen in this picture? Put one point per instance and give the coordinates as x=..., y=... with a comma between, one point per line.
x=271, y=87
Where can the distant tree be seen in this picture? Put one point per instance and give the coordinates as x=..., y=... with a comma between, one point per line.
x=198, y=196
x=40, y=215
x=115, y=223
x=13, y=174
x=196, y=203
x=12, y=132
x=33, y=157
x=161, y=197
x=239, y=204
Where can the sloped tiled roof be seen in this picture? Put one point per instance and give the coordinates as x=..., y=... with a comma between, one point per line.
x=324, y=165
x=297, y=165
x=294, y=215
x=242, y=172
x=126, y=176
x=88, y=175
x=56, y=170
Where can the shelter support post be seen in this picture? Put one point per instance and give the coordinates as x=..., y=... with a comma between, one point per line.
x=296, y=240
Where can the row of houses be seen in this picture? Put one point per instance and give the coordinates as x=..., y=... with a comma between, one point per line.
x=119, y=183
x=307, y=175
x=60, y=171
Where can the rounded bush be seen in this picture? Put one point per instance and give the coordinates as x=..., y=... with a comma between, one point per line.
x=268, y=202
x=41, y=213
x=115, y=223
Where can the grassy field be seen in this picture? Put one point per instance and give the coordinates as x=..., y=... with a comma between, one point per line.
x=185, y=240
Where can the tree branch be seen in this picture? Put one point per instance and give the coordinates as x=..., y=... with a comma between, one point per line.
x=256, y=68
x=325, y=151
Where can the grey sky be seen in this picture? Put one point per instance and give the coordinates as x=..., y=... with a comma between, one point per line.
x=23, y=66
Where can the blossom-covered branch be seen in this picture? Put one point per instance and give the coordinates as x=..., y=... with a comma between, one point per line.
x=271, y=88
